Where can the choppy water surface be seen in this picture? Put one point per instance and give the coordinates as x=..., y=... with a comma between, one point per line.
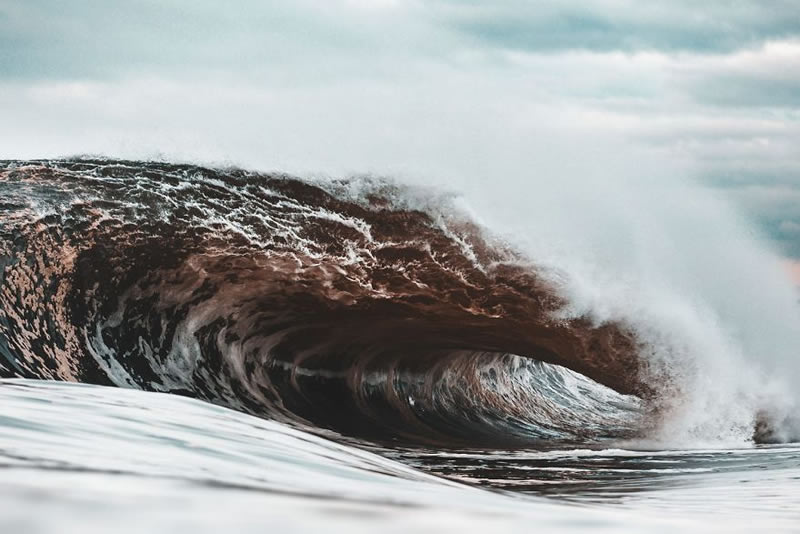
x=81, y=458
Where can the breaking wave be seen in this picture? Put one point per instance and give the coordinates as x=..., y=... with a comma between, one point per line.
x=360, y=307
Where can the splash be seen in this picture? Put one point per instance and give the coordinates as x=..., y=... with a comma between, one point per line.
x=385, y=312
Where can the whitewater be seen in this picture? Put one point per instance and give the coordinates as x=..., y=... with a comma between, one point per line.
x=228, y=348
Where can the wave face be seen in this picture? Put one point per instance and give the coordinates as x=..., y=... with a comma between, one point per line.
x=330, y=305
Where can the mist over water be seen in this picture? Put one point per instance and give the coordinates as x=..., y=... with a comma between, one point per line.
x=634, y=239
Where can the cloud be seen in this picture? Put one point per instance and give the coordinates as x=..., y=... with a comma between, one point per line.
x=790, y=228
x=627, y=25
x=760, y=77
x=776, y=210
x=410, y=86
x=47, y=39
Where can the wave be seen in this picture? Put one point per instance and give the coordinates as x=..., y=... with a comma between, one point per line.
x=360, y=306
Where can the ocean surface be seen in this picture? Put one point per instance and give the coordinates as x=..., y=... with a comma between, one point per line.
x=185, y=349
x=83, y=458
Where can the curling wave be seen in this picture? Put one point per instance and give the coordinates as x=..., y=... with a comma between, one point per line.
x=338, y=305
x=296, y=301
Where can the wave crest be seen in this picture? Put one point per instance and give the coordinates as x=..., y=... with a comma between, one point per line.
x=337, y=305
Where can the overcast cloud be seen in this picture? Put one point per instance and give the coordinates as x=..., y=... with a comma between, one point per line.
x=418, y=87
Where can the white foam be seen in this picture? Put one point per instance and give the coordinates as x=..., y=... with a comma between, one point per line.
x=631, y=239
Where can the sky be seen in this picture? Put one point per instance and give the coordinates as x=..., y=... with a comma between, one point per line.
x=409, y=87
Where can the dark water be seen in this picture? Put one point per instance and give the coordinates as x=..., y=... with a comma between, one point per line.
x=344, y=355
